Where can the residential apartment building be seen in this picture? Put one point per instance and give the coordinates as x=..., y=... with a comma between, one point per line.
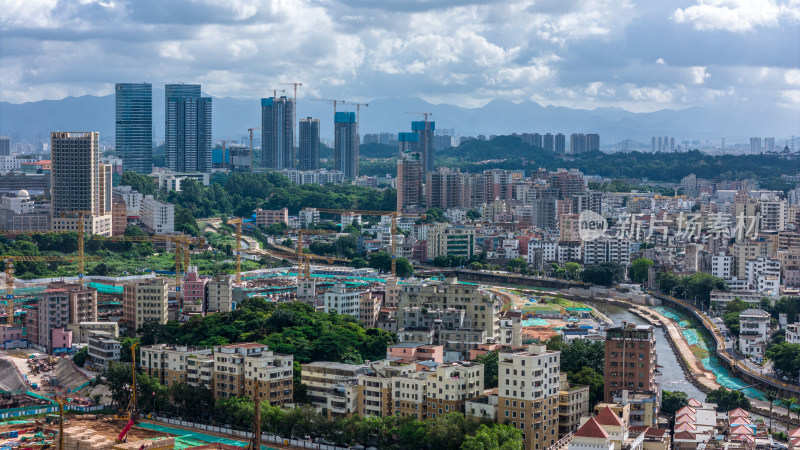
x=144, y=300
x=76, y=183
x=277, y=133
x=308, y=158
x=187, y=130
x=333, y=387
x=444, y=239
x=345, y=146
x=528, y=394
x=793, y=333
x=134, y=126
x=573, y=404
x=51, y=314
x=266, y=217
x=266, y=374
x=102, y=349
x=157, y=217
x=753, y=332
x=82, y=302
x=169, y=363
x=604, y=250
x=445, y=189
x=630, y=360
x=451, y=386
x=219, y=294
x=237, y=367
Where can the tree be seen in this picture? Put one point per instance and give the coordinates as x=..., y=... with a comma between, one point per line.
x=404, y=268
x=592, y=378
x=672, y=401
x=771, y=396
x=358, y=262
x=496, y=437
x=80, y=358
x=490, y=368
x=785, y=357
x=100, y=269
x=516, y=264
x=639, y=269
x=605, y=274
x=144, y=184
x=727, y=399
x=380, y=261
x=185, y=221
x=473, y=214
x=572, y=269
x=433, y=215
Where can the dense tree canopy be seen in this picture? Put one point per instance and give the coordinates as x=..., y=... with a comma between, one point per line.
x=672, y=401
x=727, y=399
x=605, y=274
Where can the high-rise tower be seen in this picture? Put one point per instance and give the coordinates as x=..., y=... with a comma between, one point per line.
x=309, y=144
x=187, y=128
x=277, y=133
x=134, y=130
x=345, y=152
x=425, y=130
x=77, y=183
x=410, y=173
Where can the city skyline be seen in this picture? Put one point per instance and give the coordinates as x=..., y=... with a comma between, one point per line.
x=459, y=52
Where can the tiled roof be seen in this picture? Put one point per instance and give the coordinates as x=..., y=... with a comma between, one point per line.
x=738, y=412
x=694, y=402
x=607, y=417
x=591, y=429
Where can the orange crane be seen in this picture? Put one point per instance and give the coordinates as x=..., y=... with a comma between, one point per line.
x=393, y=214
x=9, y=262
x=225, y=141
x=250, y=130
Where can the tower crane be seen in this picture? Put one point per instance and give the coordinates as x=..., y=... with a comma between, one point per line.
x=330, y=102
x=393, y=214
x=225, y=141
x=9, y=261
x=181, y=243
x=238, y=222
x=250, y=130
x=303, y=260
x=294, y=109
x=81, y=237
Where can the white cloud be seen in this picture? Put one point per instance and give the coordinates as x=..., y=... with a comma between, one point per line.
x=699, y=74
x=736, y=15
x=660, y=61
x=792, y=77
x=650, y=94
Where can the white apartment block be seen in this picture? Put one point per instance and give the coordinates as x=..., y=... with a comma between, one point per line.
x=9, y=163
x=145, y=300
x=773, y=215
x=156, y=216
x=308, y=217
x=342, y=301
x=602, y=250
x=721, y=266
x=753, y=332
x=131, y=198
x=528, y=391
x=764, y=275
x=549, y=250
x=793, y=333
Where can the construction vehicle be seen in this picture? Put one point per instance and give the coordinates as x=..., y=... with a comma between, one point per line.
x=9, y=262
x=132, y=413
x=392, y=214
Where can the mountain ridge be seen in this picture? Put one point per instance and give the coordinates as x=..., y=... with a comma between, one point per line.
x=232, y=117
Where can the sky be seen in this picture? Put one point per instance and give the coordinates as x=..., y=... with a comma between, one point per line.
x=640, y=55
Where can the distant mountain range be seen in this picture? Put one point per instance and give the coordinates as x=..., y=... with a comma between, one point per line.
x=233, y=116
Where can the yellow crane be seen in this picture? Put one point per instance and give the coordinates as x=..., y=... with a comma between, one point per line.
x=304, y=260
x=181, y=242
x=392, y=214
x=9, y=261
x=81, y=237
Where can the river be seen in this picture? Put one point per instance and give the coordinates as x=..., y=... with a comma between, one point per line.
x=672, y=376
